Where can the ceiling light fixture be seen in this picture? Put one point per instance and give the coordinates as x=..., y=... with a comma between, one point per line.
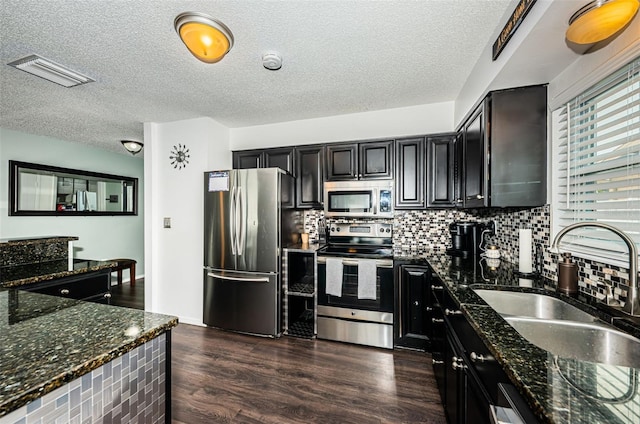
x=51, y=71
x=600, y=19
x=206, y=38
x=132, y=146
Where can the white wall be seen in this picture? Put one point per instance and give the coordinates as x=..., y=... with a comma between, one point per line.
x=422, y=119
x=101, y=237
x=174, y=256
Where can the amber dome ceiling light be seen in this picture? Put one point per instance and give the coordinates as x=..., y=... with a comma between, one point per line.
x=206, y=38
x=600, y=19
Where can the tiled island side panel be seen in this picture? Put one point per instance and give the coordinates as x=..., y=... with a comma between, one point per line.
x=131, y=388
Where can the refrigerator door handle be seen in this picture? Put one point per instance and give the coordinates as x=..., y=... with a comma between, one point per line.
x=243, y=223
x=232, y=220
x=224, y=277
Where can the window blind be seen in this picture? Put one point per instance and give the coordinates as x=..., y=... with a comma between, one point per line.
x=598, y=163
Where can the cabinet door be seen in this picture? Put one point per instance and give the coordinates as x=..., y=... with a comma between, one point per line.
x=415, y=307
x=342, y=162
x=475, y=161
x=454, y=383
x=310, y=177
x=518, y=134
x=409, y=173
x=458, y=168
x=438, y=335
x=440, y=170
x=248, y=159
x=280, y=158
x=375, y=160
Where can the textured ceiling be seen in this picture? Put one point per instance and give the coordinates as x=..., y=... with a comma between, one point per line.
x=339, y=57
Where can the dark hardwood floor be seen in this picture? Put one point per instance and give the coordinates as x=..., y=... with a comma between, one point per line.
x=220, y=377
x=223, y=377
x=127, y=295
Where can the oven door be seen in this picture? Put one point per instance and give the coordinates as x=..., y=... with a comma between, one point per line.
x=349, y=299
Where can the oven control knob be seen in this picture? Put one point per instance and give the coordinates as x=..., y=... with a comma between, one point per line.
x=333, y=228
x=338, y=229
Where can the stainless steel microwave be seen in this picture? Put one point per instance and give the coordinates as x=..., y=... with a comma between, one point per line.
x=367, y=199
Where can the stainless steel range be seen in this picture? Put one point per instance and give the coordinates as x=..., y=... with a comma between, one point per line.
x=355, y=285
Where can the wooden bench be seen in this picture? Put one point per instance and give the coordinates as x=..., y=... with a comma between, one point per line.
x=124, y=264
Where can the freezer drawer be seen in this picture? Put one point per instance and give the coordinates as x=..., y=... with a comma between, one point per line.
x=242, y=302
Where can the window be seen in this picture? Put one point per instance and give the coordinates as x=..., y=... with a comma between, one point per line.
x=597, y=160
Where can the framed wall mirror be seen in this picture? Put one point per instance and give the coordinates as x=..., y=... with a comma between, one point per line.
x=41, y=190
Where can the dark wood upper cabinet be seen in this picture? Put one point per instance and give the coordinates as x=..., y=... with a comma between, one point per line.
x=282, y=158
x=309, y=176
x=360, y=161
x=475, y=161
x=441, y=171
x=504, y=160
x=342, y=162
x=376, y=159
x=410, y=173
x=248, y=159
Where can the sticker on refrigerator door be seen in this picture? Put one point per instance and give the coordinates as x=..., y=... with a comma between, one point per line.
x=219, y=181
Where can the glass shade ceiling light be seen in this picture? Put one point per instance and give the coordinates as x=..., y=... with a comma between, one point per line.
x=132, y=146
x=51, y=71
x=600, y=19
x=206, y=38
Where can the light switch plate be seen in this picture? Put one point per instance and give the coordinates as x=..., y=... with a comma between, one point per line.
x=167, y=222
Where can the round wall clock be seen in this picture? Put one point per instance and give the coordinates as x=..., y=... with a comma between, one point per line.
x=179, y=156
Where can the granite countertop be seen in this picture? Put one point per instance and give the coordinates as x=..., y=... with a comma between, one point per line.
x=558, y=390
x=19, y=275
x=47, y=341
x=38, y=239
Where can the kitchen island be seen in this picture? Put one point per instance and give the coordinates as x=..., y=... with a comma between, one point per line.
x=72, y=361
x=555, y=389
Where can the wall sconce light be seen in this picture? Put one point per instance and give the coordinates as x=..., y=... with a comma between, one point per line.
x=207, y=39
x=600, y=19
x=132, y=146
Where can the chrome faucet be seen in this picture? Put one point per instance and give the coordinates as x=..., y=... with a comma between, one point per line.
x=632, y=305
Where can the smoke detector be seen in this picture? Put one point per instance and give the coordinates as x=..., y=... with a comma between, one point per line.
x=272, y=61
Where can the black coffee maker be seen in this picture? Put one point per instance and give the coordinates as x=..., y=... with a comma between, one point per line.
x=466, y=239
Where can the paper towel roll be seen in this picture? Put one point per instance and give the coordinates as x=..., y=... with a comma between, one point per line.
x=525, y=260
x=70, y=258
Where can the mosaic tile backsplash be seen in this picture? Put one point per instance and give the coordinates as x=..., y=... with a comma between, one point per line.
x=428, y=230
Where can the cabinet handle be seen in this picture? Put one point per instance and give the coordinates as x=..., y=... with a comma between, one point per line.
x=416, y=303
x=428, y=309
x=452, y=312
x=437, y=287
x=477, y=357
x=64, y=292
x=107, y=295
x=437, y=320
x=479, y=197
x=436, y=362
x=457, y=363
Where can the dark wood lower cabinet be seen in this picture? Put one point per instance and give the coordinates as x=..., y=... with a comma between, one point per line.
x=467, y=375
x=91, y=286
x=413, y=319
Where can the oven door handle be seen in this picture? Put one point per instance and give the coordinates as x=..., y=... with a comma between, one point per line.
x=380, y=263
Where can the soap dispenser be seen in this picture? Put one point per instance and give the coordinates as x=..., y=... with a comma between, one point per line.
x=567, y=275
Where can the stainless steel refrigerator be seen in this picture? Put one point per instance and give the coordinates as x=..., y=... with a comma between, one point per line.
x=248, y=216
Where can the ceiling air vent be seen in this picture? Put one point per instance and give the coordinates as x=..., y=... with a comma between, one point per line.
x=50, y=71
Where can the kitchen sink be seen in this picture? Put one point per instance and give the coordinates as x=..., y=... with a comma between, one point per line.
x=591, y=342
x=533, y=305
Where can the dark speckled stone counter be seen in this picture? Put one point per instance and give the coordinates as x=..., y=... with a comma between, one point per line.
x=19, y=275
x=558, y=390
x=46, y=341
